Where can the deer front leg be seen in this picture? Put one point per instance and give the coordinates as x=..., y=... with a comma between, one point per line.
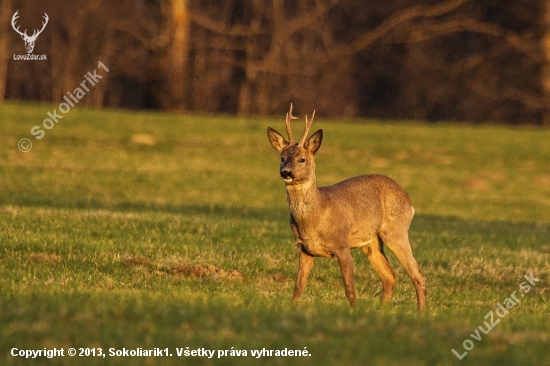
x=346, y=266
x=306, y=262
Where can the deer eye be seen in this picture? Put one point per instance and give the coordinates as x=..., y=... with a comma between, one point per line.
x=302, y=160
x=282, y=160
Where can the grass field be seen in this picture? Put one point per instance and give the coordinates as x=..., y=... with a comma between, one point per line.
x=143, y=230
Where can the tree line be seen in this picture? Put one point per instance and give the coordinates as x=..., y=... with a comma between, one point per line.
x=462, y=60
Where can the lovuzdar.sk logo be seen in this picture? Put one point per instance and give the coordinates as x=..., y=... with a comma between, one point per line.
x=29, y=40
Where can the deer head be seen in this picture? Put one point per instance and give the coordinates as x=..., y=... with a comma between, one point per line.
x=297, y=158
x=29, y=40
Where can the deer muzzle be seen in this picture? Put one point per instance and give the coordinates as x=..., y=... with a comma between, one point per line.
x=287, y=174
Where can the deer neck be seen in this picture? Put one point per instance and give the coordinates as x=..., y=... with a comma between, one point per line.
x=303, y=199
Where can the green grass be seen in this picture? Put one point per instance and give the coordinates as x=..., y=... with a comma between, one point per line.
x=100, y=236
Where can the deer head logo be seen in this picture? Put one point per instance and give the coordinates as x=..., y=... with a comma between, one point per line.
x=29, y=40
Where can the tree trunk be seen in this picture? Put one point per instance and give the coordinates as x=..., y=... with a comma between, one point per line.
x=546, y=66
x=244, y=99
x=178, y=53
x=5, y=13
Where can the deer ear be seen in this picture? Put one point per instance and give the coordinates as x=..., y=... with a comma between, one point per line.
x=314, y=142
x=276, y=139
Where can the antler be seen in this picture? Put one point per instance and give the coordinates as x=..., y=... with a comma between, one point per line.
x=289, y=117
x=306, y=130
x=24, y=34
x=35, y=34
x=13, y=19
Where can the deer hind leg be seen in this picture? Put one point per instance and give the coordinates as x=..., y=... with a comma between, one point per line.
x=345, y=262
x=304, y=267
x=400, y=246
x=375, y=254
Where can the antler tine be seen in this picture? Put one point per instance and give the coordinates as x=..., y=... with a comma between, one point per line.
x=46, y=18
x=289, y=117
x=36, y=31
x=14, y=18
x=16, y=27
x=306, y=130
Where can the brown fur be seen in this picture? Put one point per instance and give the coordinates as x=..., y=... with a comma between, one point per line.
x=361, y=212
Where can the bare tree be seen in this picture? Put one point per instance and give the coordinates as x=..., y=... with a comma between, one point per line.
x=291, y=52
x=178, y=27
x=545, y=45
x=450, y=59
x=5, y=14
x=67, y=42
x=267, y=44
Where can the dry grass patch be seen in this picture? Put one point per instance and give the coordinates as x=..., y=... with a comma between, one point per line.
x=140, y=261
x=202, y=270
x=543, y=181
x=143, y=139
x=45, y=257
x=476, y=184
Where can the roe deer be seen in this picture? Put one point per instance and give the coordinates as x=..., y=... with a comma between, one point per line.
x=362, y=212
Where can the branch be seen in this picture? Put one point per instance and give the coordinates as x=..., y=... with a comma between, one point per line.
x=221, y=27
x=472, y=62
x=529, y=100
x=393, y=21
x=428, y=30
x=284, y=30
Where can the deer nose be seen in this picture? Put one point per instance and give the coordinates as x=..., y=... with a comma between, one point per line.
x=286, y=174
